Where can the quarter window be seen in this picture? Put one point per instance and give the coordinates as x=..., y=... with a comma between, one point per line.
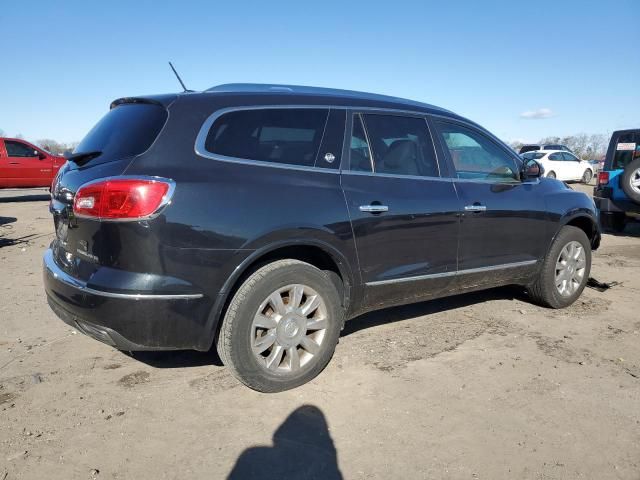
x=19, y=149
x=291, y=136
x=475, y=156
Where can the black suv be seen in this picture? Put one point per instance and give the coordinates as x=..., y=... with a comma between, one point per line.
x=258, y=218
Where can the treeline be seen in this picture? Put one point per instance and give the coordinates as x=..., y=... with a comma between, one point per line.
x=55, y=147
x=586, y=146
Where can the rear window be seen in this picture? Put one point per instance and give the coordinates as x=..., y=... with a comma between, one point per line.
x=125, y=131
x=278, y=135
x=627, y=150
x=533, y=155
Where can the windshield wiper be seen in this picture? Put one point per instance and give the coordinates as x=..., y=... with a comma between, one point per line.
x=84, y=157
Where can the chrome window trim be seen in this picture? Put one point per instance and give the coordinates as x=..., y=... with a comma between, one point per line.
x=60, y=275
x=393, y=175
x=201, y=138
x=468, y=271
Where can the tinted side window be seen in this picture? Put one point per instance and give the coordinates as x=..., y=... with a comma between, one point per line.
x=19, y=149
x=475, y=156
x=285, y=135
x=401, y=145
x=359, y=151
x=555, y=156
x=627, y=150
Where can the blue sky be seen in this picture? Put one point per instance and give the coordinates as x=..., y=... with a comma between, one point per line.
x=575, y=62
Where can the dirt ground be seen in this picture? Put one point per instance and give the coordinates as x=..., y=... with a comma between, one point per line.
x=479, y=386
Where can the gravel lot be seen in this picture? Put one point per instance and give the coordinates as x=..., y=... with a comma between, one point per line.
x=479, y=386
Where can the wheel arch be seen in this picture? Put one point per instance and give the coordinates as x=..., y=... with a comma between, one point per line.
x=315, y=252
x=585, y=223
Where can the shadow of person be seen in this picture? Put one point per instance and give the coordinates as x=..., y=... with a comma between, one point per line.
x=302, y=449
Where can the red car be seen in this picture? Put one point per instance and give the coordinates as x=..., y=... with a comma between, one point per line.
x=22, y=164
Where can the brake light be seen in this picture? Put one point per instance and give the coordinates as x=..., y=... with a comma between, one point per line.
x=603, y=178
x=121, y=198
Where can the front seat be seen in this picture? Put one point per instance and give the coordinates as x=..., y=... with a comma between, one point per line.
x=401, y=158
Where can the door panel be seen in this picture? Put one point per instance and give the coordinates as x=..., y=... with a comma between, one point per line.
x=405, y=226
x=503, y=225
x=24, y=167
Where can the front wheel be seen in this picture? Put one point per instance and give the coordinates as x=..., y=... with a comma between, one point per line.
x=587, y=176
x=564, y=271
x=281, y=327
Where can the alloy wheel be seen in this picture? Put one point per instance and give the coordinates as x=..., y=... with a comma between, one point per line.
x=570, y=268
x=634, y=180
x=289, y=328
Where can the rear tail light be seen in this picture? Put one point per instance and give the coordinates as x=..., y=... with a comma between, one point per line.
x=122, y=198
x=603, y=178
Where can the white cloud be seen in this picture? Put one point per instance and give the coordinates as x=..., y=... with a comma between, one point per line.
x=538, y=114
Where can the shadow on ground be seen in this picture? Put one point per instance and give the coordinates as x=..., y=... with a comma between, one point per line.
x=26, y=198
x=189, y=358
x=302, y=449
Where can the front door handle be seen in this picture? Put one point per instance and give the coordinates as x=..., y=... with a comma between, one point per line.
x=476, y=207
x=374, y=208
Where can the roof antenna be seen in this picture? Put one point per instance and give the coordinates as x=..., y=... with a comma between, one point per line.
x=179, y=79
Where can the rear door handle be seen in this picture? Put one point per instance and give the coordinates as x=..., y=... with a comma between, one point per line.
x=475, y=208
x=374, y=208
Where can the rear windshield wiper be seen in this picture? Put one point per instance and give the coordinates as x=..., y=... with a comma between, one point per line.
x=84, y=157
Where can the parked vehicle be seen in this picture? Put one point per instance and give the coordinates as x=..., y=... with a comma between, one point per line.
x=258, y=218
x=536, y=147
x=23, y=164
x=597, y=165
x=562, y=165
x=617, y=193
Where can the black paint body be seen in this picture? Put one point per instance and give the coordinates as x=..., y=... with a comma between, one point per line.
x=227, y=217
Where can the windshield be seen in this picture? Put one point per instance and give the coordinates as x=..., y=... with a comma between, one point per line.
x=125, y=131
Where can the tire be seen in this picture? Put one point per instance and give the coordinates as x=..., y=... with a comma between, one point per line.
x=551, y=174
x=544, y=290
x=256, y=318
x=587, y=176
x=630, y=181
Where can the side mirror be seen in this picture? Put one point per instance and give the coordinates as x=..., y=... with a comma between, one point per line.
x=531, y=169
x=41, y=155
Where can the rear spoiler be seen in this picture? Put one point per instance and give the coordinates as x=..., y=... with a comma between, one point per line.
x=160, y=100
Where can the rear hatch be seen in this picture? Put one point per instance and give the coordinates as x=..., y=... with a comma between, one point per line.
x=125, y=132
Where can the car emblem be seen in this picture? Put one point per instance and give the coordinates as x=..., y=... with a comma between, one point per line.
x=329, y=157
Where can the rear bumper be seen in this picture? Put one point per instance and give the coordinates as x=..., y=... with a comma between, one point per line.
x=609, y=206
x=128, y=320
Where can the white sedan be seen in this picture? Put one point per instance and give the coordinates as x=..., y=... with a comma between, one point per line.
x=562, y=165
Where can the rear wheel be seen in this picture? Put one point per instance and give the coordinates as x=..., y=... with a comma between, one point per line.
x=630, y=181
x=587, y=176
x=551, y=174
x=281, y=327
x=565, y=270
